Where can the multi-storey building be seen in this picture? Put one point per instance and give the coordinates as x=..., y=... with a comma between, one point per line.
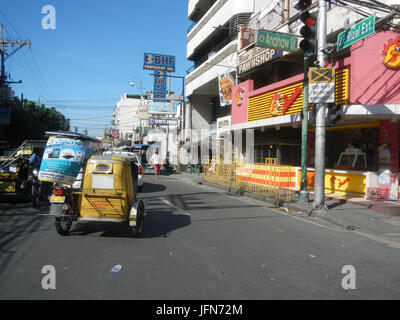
x=126, y=120
x=362, y=147
x=212, y=43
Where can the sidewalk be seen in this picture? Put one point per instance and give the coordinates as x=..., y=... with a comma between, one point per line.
x=379, y=220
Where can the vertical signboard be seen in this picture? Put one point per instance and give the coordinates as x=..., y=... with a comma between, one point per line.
x=143, y=112
x=160, y=86
x=226, y=84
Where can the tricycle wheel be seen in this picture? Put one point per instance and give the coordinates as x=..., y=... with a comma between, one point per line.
x=63, y=224
x=137, y=231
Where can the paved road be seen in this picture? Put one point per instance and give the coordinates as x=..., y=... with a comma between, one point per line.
x=199, y=243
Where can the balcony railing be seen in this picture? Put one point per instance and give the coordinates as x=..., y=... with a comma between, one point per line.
x=215, y=49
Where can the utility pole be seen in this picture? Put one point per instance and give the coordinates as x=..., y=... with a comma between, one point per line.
x=5, y=56
x=319, y=179
x=183, y=98
x=5, y=90
x=140, y=120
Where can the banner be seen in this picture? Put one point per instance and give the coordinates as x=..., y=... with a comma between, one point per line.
x=226, y=84
x=62, y=160
x=143, y=112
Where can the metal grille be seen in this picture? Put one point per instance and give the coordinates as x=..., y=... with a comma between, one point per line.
x=267, y=179
x=237, y=20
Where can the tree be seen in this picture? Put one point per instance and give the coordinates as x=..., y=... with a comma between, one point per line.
x=29, y=121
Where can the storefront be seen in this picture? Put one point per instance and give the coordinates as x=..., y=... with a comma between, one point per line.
x=362, y=148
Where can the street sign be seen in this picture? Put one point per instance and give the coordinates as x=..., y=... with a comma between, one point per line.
x=356, y=33
x=154, y=61
x=275, y=40
x=322, y=85
x=318, y=75
x=163, y=122
x=255, y=57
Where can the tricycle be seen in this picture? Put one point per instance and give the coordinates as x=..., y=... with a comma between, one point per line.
x=88, y=186
x=107, y=195
x=19, y=175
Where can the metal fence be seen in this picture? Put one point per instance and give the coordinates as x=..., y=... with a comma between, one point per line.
x=267, y=179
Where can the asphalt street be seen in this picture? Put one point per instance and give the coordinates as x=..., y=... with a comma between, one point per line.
x=198, y=243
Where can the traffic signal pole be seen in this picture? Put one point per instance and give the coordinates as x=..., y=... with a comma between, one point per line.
x=319, y=179
x=304, y=195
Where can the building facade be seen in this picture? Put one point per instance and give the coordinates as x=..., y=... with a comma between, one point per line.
x=362, y=147
x=127, y=123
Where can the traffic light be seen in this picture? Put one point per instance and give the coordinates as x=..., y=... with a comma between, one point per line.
x=309, y=30
x=332, y=116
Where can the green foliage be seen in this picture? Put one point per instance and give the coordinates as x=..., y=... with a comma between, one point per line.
x=31, y=121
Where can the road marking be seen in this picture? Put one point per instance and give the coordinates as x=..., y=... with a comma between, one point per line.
x=174, y=207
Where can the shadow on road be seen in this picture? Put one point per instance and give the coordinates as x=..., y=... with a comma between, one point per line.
x=161, y=223
x=152, y=187
x=156, y=224
x=106, y=229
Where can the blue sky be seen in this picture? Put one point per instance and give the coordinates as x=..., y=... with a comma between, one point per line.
x=86, y=64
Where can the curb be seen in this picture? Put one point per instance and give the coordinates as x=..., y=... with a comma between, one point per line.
x=377, y=206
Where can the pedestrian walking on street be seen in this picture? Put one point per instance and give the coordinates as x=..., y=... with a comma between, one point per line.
x=156, y=161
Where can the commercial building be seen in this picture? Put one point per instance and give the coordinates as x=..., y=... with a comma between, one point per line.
x=362, y=147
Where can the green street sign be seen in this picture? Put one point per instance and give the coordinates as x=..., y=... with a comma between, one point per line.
x=275, y=40
x=356, y=33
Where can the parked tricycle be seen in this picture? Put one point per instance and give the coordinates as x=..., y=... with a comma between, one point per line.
x=19, y=172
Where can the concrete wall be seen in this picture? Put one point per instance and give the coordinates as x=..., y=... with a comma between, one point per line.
x=201, y=112
x=218, y=15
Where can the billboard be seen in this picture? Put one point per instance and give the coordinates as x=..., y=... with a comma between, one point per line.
x=159, y=62
x=163, y=107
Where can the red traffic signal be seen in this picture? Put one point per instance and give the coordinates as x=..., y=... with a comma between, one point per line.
x=309, y=32
x=308, y=19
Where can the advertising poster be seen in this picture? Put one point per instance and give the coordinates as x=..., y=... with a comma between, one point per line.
x=226, y=84
x=62, y=160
